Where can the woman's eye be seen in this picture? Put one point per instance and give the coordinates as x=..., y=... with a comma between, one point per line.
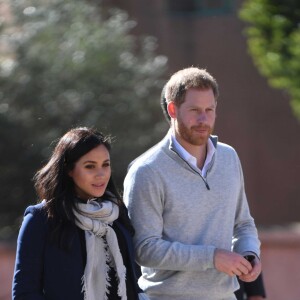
x=106, y=165
x=89, y=166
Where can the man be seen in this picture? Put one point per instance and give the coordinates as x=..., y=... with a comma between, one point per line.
x=187, y=202
x=253, y=290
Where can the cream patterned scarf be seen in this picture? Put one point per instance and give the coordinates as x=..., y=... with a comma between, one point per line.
x=102, y=249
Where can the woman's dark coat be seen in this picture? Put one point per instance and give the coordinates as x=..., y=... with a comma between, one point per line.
x=43, y=270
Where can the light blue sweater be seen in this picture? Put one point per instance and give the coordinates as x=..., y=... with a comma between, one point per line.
x=180, y=220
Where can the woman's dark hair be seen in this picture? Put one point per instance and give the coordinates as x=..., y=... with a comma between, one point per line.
x=54, y=185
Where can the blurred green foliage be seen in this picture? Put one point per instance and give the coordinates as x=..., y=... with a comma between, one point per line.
x=274, y=43
x=72, y=63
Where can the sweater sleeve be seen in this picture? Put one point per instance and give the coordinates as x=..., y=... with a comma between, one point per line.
x=28, y=275
x=245, y=238
x=143, y=195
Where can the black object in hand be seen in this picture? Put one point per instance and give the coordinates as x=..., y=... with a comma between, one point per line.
x=249, y=257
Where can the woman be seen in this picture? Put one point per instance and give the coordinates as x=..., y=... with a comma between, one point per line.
x=76, y=243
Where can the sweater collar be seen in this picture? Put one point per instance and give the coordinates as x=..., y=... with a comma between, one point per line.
x=213, y=138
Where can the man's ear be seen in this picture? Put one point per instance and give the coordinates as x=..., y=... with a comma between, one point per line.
x=172, y=109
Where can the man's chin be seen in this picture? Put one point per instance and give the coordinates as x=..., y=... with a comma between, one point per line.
x=199, y=141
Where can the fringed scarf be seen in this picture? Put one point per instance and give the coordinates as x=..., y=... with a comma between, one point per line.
x=102, y=249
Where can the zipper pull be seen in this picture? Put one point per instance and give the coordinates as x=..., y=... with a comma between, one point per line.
x=206, y=184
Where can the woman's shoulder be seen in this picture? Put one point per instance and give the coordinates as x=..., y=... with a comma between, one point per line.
x=38, y=208
x=36, y=213
x=35, y=223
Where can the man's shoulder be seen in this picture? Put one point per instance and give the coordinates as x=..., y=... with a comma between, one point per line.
x=150, y=156
x=227, y=153
x=225, y=147
x=221, y=146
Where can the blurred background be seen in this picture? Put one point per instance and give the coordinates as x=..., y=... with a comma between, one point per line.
x=68, y=63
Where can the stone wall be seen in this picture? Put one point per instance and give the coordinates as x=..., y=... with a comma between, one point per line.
x=7, y=260
x=281, y=263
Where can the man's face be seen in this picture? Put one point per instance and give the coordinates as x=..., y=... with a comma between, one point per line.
x=195, y=118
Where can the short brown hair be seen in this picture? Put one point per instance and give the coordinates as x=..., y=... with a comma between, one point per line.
x=186, y=79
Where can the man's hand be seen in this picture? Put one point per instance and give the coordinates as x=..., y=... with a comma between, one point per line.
x=256, y=269
x=233, y=264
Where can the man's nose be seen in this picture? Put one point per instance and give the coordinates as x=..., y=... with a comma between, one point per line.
x=201, y=117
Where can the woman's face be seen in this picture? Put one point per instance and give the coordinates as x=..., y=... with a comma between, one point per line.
x=91, y=173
